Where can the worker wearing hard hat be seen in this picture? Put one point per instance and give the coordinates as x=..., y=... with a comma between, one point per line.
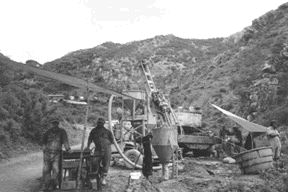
x=273, y=137
x=102, y=138
x=53, y=140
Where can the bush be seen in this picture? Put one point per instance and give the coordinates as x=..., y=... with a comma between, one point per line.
x=279, y=114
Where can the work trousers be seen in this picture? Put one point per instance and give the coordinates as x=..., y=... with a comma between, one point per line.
x=51, y=169
x=276, y=147
x=101, y=163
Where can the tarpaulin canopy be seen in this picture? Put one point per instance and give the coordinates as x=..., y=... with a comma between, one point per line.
x=247, y=125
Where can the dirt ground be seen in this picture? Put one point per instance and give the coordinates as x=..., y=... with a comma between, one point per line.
x=201, y=174
x=214, y=176
x=23, y=174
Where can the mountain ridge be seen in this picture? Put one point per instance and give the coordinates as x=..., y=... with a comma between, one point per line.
x=192, y=71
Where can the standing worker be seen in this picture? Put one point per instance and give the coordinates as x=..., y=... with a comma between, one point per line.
x=274, y=140
x=102, y=139
x=53, y=140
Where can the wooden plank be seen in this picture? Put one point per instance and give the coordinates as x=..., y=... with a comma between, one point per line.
x=70, y=164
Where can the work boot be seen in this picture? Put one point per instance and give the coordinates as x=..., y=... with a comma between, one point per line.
x=103, y=180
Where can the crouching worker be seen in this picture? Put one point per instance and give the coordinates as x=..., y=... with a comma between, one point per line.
x=53, y=140
x=274, y=140
x=102, y=139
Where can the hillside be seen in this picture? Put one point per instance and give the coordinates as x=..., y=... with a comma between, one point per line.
x=251, y=80
x=25, y=110
x=246, y=73
x=117, y=65
x=226, y=71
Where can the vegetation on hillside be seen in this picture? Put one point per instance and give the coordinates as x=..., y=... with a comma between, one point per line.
x=25, y=110
x=246, y=73
x=229, y=72
x=225, y=71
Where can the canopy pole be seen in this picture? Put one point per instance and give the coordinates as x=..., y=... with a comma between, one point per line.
x=82, y=142
x=251, y=135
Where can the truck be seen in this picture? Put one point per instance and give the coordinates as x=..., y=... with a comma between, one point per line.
x=191, y=137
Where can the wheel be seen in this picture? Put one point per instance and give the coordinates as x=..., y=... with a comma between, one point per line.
x=134, y=156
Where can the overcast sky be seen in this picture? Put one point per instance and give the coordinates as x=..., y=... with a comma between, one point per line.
x=45, y=30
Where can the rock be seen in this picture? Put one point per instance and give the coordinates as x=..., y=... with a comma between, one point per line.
x=229, y=160
x=268, y=68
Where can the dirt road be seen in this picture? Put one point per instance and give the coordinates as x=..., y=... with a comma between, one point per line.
x=21, y=174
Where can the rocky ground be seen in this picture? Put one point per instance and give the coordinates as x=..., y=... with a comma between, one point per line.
x=201, y=174
x=195, y=174
x=213, y=175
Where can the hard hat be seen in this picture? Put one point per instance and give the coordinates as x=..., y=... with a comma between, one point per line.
x=100, y=121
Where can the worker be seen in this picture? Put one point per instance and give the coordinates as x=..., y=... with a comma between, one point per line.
x=273, y=137
x=102, y=139
x=236, y=139
x=223, y=133
x=226, y=145
x=53, y=140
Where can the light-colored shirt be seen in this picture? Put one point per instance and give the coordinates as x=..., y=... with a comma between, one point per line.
x=271, y=132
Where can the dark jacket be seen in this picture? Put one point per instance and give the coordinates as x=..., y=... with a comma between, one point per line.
x=101, y=137
x=54, y=138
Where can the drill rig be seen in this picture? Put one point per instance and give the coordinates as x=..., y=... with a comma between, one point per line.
x=157, y=117
x=164, y=131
